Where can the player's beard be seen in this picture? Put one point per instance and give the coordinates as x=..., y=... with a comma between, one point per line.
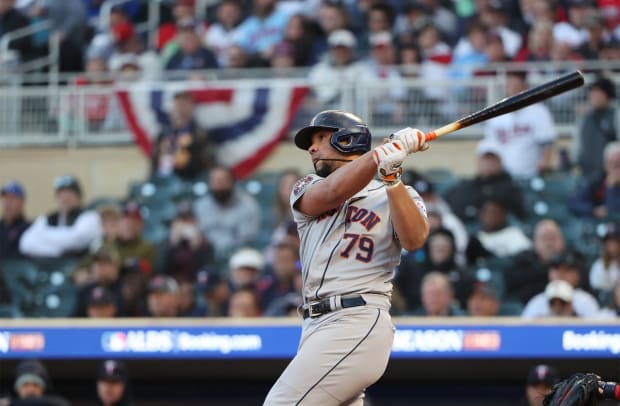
x=324, y=169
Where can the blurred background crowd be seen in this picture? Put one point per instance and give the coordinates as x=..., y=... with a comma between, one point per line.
x=534, y=232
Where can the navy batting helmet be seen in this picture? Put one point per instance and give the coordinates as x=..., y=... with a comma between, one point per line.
x=350, y=135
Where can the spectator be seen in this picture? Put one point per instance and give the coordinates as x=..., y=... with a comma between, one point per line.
x=285, y=306
x=483, y=301
x=437, y=296
x=495, y=16
x=13, y=222
x=612, y=307
x=526, y=136
x=527, y=275
x=280, y=279
x=215, y=292
x=33, y=385
x=222, y=33
x=573, y=32
x=113, y=384
x=129, y=49
x=68, y=19
x=134, y=291
x=497, y=238
x=491, y=179
x=182, y=10
x=469, y=51
x=600, y=198
x=244, y=302
x=183, y=148
x=103, y=43
x=66, y=232
x=186, y=250
x=338, y=70
x=229, y=217
x=433, y=199
x=599, y=128
x=605, y=271
x=439, y=256
x=191, y=55
x=188, y=305
x=302, y=34
x=380, y=17
x=105, y=272
x=102, y=303
x=443, y=18
x=99, y=108
x=388, y=98
x=245, y=267
x=163, y=298
x=566, y=268
x=597, y=36
x=332, y=17
x=237, y=57
x=259, y=33
x=12, y=19
x=540, y=380
x=283, y=58
x=539, y=44
x=134, y=249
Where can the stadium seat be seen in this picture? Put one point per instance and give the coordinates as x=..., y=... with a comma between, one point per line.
x=510, y=308
x=442, y=179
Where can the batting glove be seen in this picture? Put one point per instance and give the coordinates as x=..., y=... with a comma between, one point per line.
x=413, y=139
x=389, y=157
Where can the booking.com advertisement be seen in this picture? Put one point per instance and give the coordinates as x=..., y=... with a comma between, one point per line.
x=272, y=342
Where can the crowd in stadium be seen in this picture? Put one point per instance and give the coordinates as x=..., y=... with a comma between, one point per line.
x=225, y=254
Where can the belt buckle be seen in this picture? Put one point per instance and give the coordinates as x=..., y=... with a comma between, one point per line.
x=311, y=313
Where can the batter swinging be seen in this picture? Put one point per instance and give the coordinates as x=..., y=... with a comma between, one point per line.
x=352, y=228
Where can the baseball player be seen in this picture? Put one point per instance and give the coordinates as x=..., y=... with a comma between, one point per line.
x=352, y=228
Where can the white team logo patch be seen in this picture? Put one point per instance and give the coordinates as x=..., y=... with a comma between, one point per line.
x=301, y=184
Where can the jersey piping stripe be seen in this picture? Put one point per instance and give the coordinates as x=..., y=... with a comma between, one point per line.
x=331, y=254
x=342, y=359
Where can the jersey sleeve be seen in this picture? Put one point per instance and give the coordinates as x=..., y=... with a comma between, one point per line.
x=419, y=202
x=299, y=189
x=545, y=132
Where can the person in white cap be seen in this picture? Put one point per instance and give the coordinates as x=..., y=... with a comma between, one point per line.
x=339, y=69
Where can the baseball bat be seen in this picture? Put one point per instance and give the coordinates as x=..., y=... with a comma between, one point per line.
x=525, y=98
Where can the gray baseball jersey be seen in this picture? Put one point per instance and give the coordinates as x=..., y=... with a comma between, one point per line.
x=349, y=251
x=352, y=249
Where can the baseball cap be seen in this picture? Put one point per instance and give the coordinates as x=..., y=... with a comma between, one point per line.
x=132, y=209
x=485, y=289
x=342, y=38
x=559, y=289
x=101, y=296
x=13, y=188
x=542, y=374
x=31, y=371
x=112, y=370
x=122, y=31
x=67, y=182
x=163, y=284
x=207, y=279
x=380, y=38
x=247, y=258
x=610, y=230
x=487, y=146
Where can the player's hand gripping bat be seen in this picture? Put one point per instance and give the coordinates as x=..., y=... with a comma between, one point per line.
x=527, y=97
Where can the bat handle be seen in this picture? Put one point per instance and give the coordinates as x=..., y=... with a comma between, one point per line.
x=609, y=390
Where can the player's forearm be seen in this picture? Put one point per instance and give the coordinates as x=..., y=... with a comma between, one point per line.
x=349, y=179
x=409, y=223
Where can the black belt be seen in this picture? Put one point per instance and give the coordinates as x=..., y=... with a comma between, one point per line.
x=321, y=307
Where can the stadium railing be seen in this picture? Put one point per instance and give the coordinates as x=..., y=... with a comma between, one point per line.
x=59, y=115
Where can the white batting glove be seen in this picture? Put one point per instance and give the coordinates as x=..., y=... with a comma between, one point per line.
x=389, y=157
x=413, y=139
